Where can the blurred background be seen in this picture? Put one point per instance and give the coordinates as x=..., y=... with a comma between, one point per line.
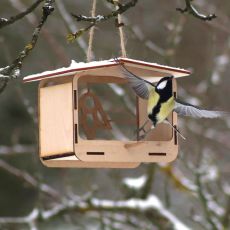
x=192, y=192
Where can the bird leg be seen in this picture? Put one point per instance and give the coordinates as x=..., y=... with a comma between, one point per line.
x=146, y=133
x=142, y=128
x=168, y=122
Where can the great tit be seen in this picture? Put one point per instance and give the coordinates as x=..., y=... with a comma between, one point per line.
x=161, y=101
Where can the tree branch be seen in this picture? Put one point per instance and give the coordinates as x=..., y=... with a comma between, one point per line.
x=70, y=23
x=204, y=201
x=4, y=22
x=146, y=189
x=150, y=207
x=192, y=10
x=100, y=18
x=26, y=177
x=13, y=71
x=226, y=217
x=16, y=149
x=121, y=8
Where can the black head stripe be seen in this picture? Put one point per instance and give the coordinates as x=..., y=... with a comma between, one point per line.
x=166, y=92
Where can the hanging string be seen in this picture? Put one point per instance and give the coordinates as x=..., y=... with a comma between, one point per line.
x=122, y=35
x=92, y=29
x=90, y=55
x=91, y=34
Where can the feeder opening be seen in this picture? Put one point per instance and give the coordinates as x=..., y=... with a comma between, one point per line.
x=108, y=109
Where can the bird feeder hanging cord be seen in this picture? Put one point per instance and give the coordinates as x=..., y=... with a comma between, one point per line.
x=122, y=36
x=92, y=30
x=91, y=34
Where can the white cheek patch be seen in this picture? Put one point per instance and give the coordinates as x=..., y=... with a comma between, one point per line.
x=162, y=85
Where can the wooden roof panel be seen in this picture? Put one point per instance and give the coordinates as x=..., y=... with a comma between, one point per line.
x=79, y=67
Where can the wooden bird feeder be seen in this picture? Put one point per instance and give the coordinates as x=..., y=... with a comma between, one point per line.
x=73, y=115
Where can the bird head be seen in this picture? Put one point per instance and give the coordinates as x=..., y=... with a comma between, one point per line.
x=164, y=83
x=164, y=87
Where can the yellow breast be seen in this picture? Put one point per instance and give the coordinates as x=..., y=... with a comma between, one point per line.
x=153, y=99
x=166, y=109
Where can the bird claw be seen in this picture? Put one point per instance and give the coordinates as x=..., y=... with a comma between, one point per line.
x=138, y=131
x=141, y=137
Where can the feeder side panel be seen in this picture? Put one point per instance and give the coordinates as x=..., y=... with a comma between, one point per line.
x=56, y=120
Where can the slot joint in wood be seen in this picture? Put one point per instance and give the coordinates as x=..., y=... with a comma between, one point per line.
x=96, y=153
x=75, y=134
x=174, y=94
x=75, y=99
x=175, y=135
x=157, y=154
x=58, y=156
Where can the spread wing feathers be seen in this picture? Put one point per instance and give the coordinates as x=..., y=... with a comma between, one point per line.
x=186, y=109
x=139, y=85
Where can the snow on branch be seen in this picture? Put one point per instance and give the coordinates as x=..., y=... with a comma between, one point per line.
x=192, y=10
x=151, y=206
x=99, y=18
x=121, y=8
x=135, y=183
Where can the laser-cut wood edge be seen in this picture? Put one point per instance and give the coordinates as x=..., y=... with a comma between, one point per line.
x=74, y=162
x=126, y=143
x=47, y=86
x=105, y=146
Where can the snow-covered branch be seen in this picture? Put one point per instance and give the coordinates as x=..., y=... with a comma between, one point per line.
x=151, y=207
x=190, y=8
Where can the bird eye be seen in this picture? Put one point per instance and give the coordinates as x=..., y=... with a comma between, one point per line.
x=162, y=85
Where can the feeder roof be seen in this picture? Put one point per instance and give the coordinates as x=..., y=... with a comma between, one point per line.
x=76, y=67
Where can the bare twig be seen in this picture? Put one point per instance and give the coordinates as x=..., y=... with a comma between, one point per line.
x=100, y=18
x=16, y=149
x=192, y=10
x=146, y=189
x=50, y=38
x=13, y=70
x=226, y=217
x=204, y=201
x=26, y=177
x=4, y=22
x=121, y=8
x=70, y=23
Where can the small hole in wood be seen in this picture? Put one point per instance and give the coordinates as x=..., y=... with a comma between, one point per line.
x=175, y=135
x=157, y=154
x=96, y=153
x=75, y=99
x=76, y=133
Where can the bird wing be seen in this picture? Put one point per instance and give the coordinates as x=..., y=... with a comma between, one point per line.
x=139, y=85
x=186, y=109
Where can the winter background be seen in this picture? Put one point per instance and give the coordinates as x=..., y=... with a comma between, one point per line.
x=193, y=192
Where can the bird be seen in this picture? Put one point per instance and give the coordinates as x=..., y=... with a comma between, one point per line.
x=162, y=102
